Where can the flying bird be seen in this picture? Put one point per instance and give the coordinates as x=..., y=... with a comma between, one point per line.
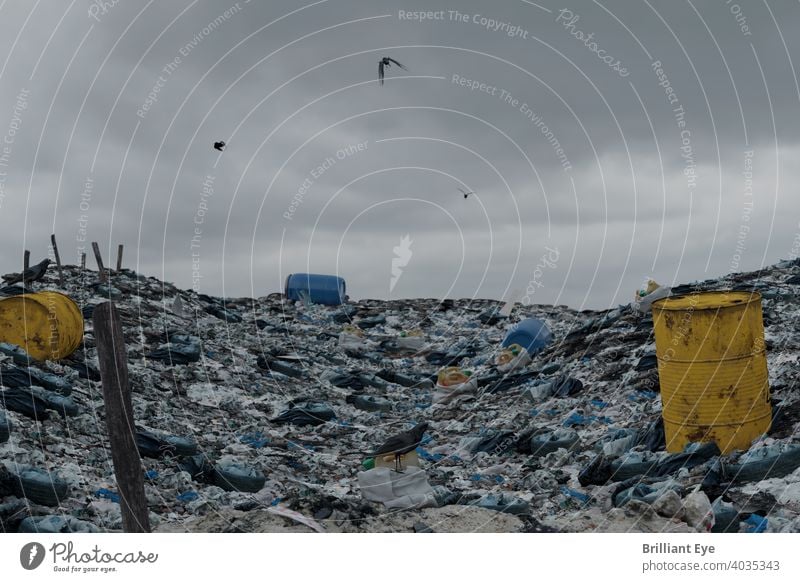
x=219, y=145
x=465, y=193
x=402, y=443
x=29, y=275
x=387, y=62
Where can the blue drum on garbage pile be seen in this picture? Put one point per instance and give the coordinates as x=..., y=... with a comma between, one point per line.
x=532, y=334
x=322, y=289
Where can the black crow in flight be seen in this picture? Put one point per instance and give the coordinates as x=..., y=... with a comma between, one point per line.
x=386, y=62
x=465, y=193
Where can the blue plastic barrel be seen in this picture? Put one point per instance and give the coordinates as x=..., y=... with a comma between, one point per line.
x=323, y=289
x=532, y=334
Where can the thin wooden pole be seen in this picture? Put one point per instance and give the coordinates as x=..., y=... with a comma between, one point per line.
x=83, y=261
x=58, y=258
x=128, y=470
x=119, y=258
x=26, y=260
x=99, y=259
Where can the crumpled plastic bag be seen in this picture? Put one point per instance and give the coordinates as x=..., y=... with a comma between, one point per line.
x=407, y=490
x=352, y=339
x=306, y=414
x=649, y=293
x=698, y=512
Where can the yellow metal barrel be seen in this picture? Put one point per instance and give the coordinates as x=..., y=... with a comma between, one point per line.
x=48, y=325
x=712, y=367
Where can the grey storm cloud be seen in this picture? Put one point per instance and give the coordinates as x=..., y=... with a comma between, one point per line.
x=634, y=139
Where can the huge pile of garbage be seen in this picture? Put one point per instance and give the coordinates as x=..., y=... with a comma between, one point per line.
x=265, y=415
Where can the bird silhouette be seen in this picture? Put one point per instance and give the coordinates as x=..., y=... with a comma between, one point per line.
x=465, y=193
x=219, y=145
x=29, y=275
x=387, y=62
x=401, y=443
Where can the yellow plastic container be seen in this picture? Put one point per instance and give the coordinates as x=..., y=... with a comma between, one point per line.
x=712, y=367
x=48, y=325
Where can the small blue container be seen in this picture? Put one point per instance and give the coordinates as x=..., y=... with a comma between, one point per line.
x=532, y=334
x=322, y=289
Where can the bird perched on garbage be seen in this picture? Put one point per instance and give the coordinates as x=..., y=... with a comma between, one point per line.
x=465, y=193
x=402, y=443
x=29, y=275
x=219, y=145
x=387, y=62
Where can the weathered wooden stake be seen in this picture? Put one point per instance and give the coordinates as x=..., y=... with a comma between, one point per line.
x=119, y=418
x=58, y=258
x=119, y=258
x=26, y=260
x=99, y=259
x=83, y=261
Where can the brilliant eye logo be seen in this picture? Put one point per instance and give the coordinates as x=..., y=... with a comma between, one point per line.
x=402, y=255
x=31, y=555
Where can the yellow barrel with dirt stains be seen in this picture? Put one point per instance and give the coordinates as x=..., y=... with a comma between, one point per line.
x=48, y=325
x=712, y=367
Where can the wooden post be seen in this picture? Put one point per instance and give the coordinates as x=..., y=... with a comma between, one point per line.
x=83, y=261
x=119, y=418
x=99, y=260
x=58, y=258
x=26, y=260
x=119, y=258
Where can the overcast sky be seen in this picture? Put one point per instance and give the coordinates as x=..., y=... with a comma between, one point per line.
x=605, y=142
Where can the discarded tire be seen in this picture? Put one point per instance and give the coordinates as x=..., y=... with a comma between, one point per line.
x=14, y=377
x=156, y=446
x=307, y=414
x=40, y=487
x=544, y=444
x=765, y=463
x=62, y=405
x=238, y=477
x=369, y=403
x=598, y=472
x=632, y=464
x=24, y=402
